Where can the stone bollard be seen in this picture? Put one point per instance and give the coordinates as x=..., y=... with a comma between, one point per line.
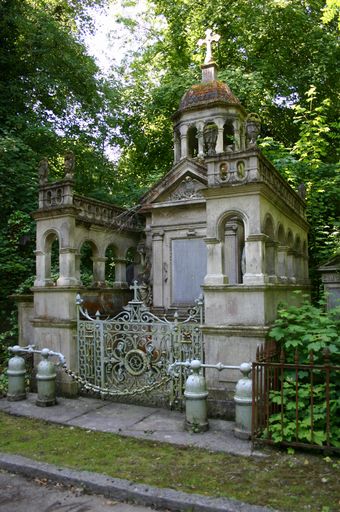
x=243, y=404
x=196, y=400
x=46, y=381
x=16, y=378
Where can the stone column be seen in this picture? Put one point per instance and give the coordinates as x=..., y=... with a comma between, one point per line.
x=219, y=143
x=255, y=259
x=78, y=262
x=282, y=269
x=184, y=141
x=67, y=267
x=99, y=270
x=157, y=269
x=231, y=256
x=120, y=273
x=214, y=262
x=200, y=127
x=237, y=135
x=271, y=261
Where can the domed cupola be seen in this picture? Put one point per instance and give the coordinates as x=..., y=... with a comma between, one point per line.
x=210, y=119
x=208, y=94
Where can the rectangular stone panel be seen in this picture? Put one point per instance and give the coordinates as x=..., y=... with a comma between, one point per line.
x=189, y=267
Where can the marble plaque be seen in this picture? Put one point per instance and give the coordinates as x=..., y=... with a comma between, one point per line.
x=189, y=267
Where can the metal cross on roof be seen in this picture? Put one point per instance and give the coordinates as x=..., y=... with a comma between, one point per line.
x=209, y=39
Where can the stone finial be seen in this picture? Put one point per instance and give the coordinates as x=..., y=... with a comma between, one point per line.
x=43, y=171
x=69, y=164
x=209, y=39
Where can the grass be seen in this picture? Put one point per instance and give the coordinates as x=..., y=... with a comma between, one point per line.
x=286, y=482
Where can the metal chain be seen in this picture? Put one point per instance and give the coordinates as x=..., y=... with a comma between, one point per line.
x=115, y=392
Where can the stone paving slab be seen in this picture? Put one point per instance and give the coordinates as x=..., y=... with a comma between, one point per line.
x=136, y=421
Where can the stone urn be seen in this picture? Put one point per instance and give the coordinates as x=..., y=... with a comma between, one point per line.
x=253, y=128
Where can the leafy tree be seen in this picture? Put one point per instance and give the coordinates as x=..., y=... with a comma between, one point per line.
x=52, y=99
x=270, y=53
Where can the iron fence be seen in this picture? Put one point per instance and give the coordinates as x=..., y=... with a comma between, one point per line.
x=296, y=403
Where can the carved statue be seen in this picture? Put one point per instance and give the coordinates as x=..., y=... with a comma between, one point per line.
x=43, y=171
x=144, y=277
x=69, y=163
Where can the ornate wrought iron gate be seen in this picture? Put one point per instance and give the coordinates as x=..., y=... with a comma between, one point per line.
x=130, y=353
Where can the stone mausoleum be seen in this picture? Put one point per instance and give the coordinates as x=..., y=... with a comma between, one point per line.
x=222, y=222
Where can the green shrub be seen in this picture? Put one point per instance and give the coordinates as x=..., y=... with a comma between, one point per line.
x=300, y=331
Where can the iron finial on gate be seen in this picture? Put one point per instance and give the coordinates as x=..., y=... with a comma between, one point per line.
x=135, y=287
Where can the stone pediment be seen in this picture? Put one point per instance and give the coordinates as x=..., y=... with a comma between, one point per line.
x=331, y=265
x=183, y=183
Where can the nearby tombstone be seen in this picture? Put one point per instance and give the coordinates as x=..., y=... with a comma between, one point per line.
x=330, y=275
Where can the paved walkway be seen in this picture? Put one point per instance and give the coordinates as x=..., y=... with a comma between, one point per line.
x=131, y=420
x=135, y=421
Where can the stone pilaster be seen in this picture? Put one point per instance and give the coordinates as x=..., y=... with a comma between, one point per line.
x=157, y=268
x=282, y=269
x=99, y=270
x=120, y=273
x=255, y=259
x=215, y=273
x=67, y=270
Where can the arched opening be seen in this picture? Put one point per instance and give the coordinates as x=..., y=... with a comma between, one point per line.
x=110, y=265
x=234, y=254
x=290, y=239
x=87, y=251
x=290, y=256
x=228, y=137
x=298, y=258
x=281, y=254
x=270, y=255
x=281, y=235
x=177, y=146
x=192, y=142
x=52, y=264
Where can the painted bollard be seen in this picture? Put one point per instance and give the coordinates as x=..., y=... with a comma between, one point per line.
x=196, y=400
x=16, y=373
x=46, y=381
x=243, y=403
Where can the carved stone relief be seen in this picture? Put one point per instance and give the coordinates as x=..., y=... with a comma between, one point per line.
x=189, y=188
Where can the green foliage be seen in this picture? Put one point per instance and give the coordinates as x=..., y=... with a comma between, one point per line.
x=52, y=99
x=305, y=329
x=312, y=161
x=17, y=243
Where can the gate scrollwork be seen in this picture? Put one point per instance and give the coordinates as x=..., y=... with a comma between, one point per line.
x=131, y=352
